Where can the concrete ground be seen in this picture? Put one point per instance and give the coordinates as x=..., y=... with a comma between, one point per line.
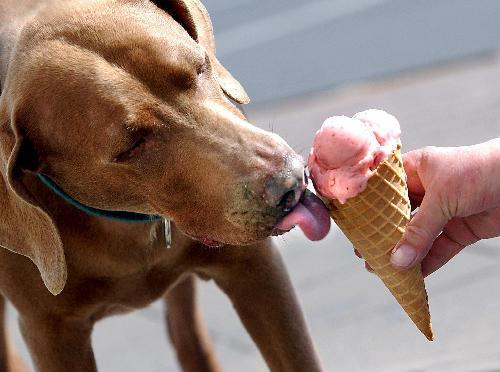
x=283, y=48
x=356, y=324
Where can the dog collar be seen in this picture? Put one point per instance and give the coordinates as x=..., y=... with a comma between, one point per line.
x=122, y=216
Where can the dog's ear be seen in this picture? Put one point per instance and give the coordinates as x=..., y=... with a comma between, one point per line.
x=25, y=228
x=193, y=16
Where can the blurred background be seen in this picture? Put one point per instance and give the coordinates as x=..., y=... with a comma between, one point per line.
x=435, y=64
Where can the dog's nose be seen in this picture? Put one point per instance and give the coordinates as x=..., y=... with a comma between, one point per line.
x=283, y=191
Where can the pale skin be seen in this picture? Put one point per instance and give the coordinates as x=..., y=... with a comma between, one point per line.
x=457, y=190
x=457, y=193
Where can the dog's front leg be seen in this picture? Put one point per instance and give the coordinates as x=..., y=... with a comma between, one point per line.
x=257, y=282
x=9, y=359
x=186, y=329
x=59, y=345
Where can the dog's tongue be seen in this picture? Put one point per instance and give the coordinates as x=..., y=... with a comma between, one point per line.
x=310, y=215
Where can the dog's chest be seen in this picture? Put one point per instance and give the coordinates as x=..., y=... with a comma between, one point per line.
x=106, y=295
x=120, y=274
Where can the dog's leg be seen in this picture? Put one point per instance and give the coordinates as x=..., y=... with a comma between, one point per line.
x=186, y=329
x=9, y=360
x=256, y=281
x=4, y=359
x=59, y=345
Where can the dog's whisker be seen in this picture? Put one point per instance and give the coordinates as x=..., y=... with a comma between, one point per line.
x=271, y=126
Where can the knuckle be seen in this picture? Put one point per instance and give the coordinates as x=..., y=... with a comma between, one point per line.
x=418, y=236
x=426, y=156
x=447, y=203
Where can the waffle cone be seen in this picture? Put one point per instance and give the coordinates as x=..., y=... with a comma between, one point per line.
x=374, y=221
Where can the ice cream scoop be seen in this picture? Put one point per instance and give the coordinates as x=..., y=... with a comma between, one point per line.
x=346, y=152
x=384, y=126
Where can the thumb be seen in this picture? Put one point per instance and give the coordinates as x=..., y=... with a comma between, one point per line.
x=420, y=233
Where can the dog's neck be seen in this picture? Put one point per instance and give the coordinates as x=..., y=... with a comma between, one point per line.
x=122, y=216
x=112, y=215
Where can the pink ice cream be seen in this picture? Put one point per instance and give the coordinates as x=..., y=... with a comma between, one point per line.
x=346, y=152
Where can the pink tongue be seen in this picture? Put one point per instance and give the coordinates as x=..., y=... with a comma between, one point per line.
x=312, y=217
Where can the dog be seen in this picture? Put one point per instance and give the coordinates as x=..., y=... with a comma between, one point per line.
x=126, y=173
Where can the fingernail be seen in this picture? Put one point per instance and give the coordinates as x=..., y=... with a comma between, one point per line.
x=404, y=256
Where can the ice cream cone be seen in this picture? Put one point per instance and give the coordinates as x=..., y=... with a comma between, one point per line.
x=374, y=222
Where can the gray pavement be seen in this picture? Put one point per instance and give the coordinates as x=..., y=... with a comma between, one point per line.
x=356, y=324
x=283, y=48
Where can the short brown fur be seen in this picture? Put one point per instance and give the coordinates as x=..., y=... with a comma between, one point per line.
x=82, y=82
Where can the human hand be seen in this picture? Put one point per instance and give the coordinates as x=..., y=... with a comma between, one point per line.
x=457, y=191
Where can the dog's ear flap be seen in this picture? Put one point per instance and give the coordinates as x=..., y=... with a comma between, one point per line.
x=193, y=16
x=25, y=228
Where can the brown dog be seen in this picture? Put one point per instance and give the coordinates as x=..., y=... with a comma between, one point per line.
x=124, y=106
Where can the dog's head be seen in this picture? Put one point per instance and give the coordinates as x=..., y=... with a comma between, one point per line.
x=126, y=107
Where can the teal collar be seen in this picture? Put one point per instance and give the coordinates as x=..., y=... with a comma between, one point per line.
x=112, y=215
x=122, y=216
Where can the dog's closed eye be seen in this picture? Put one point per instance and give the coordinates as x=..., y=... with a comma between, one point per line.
x=132, y=151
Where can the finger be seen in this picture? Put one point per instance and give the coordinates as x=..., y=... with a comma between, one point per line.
x=460, y=231
x=456, y=235
x=411, y=162
x=416, y=190
x=420, y=233
x=485, y=225
x=415, y=200
x=442, y=251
